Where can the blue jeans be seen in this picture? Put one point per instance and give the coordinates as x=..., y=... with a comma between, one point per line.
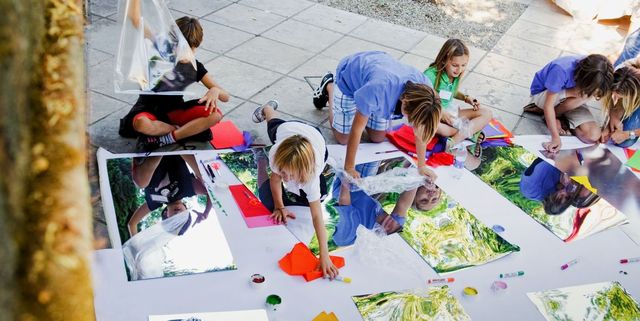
x=631, y=47
x=631, y=123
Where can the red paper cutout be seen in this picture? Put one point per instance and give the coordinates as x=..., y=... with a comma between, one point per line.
x=300, y=261
x=249, y=204
x=225, y=135
x=438, y=159
x=405, y=139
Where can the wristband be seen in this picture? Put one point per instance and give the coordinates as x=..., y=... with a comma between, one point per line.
x=632, y=134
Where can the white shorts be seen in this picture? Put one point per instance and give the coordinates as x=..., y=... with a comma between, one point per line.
x=575, y=117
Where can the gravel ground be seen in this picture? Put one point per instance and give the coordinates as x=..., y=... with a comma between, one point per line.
x=479, y=23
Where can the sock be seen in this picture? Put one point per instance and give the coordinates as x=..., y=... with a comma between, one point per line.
x=167, y=139
x=399, y=219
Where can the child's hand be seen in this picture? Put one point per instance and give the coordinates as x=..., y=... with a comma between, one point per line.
x=353, y=173
x=619, y=136
x=605, y=135
x=210, y=100
x=327, y=268
x=473, y=102
x=280, y=215
x=553, y=146
x=424, y=171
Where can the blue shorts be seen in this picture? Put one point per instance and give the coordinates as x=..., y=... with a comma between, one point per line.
x=344, y=111
x=631, y=123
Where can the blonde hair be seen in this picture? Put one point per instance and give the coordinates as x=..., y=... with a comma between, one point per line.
x=451, y=48
x=626, y=83
x=295, y=155
x=422, y=106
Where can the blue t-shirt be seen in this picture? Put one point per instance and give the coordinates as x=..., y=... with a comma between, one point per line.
x=556, y=75
x=375, y=80
x=539, y=180
x=363, y=210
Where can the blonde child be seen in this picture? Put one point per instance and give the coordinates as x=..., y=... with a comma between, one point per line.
x=297, y=159
x=372, y=88
x=445, y=74
x=562, y=87
x=623, y=107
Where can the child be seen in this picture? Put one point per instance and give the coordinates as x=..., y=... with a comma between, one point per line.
x=297, y=158
x=160, y=120
x=372, y=88
x=623, y=107
x=445, y=74
x=562, y=87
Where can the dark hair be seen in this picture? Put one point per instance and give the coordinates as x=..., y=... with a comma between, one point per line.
x=191, y=30
x=594, y=75
x=422, y=106
x=554, y=205
x=584, y=201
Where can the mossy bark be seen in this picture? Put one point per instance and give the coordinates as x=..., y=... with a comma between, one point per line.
x=45, y=217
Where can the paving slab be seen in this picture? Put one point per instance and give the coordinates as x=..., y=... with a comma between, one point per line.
x=387, y=34
x=103, y=34
x=330, y=18
x=103, y=8
x=497, y=93
x=197, y=8
x=527, y=51
x=315, y=66
x=220, y=39
x=239, y=78
x=303, y=36
x=102, y=106
x=295, y=98
x=101, y=79
x=543, y=35
x=349, y=45
x=248, y=19
x=285, y=8
x=507, y=69
x=270, y=54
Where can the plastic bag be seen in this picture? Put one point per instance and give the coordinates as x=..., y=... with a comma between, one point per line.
x=396, y=180
x=153, y=56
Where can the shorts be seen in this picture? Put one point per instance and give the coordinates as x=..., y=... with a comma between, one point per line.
x=575, y=117
x=344, y=111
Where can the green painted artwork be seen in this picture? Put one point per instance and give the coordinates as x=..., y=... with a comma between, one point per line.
x=606, y=301
x=445, y=234
x=560, y=204
x=432, y=304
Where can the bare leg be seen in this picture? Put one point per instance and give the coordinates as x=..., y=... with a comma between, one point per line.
x=588, y=132
x=196, y=126
x=376, y=136
x=477, y=120
x=445, y=130
x=150, y=127
x=570, y=104
x=268, y=112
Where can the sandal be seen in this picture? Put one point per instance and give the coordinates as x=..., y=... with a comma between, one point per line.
x=533, y=109
x=475, y=150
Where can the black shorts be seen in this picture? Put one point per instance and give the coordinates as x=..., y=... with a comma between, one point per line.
x=159, y=106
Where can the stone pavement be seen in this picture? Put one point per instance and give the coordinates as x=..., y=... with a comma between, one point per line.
x=263, y=49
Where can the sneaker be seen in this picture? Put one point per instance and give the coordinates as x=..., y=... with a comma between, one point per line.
x=321, y=95
x=148, y=144
x=533, y=109
x=258, y=114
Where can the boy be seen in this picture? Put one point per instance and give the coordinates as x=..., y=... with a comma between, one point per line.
x=372, y=88
x=562, y=88
x=160, y=120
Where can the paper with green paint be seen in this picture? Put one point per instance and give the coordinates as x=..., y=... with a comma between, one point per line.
x=634, y=161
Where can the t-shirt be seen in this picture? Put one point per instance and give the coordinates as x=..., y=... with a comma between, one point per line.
x=375, y=80
x=556, y=75
x=446, y=89
x=171, y=181
x=175, y=100
x=288, y=129
x=539, y=180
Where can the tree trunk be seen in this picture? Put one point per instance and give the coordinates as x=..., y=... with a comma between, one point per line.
x=45, y=217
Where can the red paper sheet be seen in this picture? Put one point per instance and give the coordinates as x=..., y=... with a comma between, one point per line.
x=249, y=204
x=405, y=140
x=226, y=135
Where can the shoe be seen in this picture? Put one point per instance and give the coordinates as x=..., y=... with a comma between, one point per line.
x=321, y=95
x=258, y=113
x=148, y=144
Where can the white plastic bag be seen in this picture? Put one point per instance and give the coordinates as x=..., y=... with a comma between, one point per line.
x=153, y=56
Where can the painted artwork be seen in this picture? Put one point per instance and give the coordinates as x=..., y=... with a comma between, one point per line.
x=607, y=301
x=165, y=218
x=344, y=207
x=442, y=232
x=565, y=207
x=252, y=315
x=432, y=304
x=598, y=167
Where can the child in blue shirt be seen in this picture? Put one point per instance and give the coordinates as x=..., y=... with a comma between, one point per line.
x=623, y=106
x=562, y=87
x=372, y=88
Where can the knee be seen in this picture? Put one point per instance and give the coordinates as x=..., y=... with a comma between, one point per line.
x=141, y=124
x=341, y=139
x=214, y=118
x=377, y=138
x=591, y=136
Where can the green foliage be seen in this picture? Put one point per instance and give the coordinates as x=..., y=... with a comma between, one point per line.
x=124, y=192
x=409, y=306
x=243, y=166
x=448, y=237
x=617, y=304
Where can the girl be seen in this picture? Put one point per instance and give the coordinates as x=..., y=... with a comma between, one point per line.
x=297, y=159
x=623, y=107
x=445, y=74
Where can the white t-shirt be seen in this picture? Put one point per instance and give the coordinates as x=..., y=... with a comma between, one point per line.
x=288, y=129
